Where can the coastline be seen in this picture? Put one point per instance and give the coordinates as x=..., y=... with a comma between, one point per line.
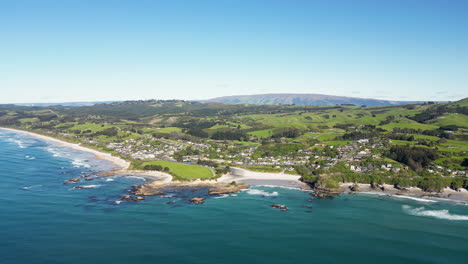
x=121, y=163
x=241, y=175
x=262, y=178
x=410, y=192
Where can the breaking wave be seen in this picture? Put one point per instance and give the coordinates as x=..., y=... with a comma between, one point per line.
x=136, y=177
x=77, y=163
x=415, y=198
x=20, y=143
x=222, y=196
x=64, y=153
x=283, y=187
x=260, y=192
x=85, y=186
x=439, y=214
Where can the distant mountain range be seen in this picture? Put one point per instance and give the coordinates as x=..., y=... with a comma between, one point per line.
x=67, y=103
x=304, y=99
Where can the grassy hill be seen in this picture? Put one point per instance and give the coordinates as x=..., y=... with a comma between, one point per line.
x=323, y=139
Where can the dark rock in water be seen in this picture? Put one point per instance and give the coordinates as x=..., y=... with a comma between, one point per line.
x=125, y=197
x=170, y=202
x=197, y=200
x=305, y=206
x=321, y=195
x=382, y=188
x=72, y=180
x=310, y=200
x=89, y=179
x=279, y=206
x=139, y=198
x=79, y=187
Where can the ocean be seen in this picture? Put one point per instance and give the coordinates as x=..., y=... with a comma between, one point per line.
x=45, y=221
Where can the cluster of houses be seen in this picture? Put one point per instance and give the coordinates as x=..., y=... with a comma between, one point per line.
x=354, y=154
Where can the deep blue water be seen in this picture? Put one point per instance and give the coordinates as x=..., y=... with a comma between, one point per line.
x=48, y=222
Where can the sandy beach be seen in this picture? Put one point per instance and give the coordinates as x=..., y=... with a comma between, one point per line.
x=244, y=176
x=262, y=178
x=237, y=174
x=121, y=163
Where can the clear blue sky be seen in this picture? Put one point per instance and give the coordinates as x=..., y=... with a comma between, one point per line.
x=77, y=50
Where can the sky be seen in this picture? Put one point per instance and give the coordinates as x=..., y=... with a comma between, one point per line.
x=79, y=50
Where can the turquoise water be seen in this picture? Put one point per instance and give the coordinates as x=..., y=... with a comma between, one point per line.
x=48, y=222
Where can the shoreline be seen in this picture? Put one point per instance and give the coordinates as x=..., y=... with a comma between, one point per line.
x=243, y=176
x=411, y=192
x=121, y=163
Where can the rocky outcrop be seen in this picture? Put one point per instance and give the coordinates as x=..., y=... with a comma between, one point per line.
x=227, y=188
x=354, y=188
x=279, y=206
x=377, y=186
x=72, y=180
x=325, y=193
x=145, y=190
x=197, y=200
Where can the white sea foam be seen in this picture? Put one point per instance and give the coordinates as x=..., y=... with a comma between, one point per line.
x=86, y=186
x=109, y=180
x=260, y=192
x=415, y=198
x=374, y=193
x=29, y=157
x=30, y=187
x=56, y=152
x=117, y=202
x=222, y=196
x=401, y=196
x=20, y=143
x=283, y=187
x=136, y=177
x=439, y=214
x=77, y=163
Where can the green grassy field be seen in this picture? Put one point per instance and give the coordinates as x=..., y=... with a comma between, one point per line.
x=185, y=171
x=264, y=133
x=406, y=123
x=451, y=119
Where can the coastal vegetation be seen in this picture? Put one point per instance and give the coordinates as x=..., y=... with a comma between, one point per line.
x=423, y=145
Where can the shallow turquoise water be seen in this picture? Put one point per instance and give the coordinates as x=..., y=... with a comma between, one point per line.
x=51, y=223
